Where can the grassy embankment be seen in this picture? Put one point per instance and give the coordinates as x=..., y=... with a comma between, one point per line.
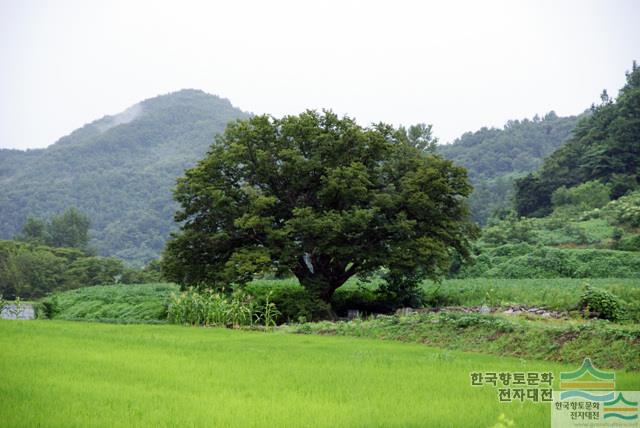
x=147, y=302
x=609, y=344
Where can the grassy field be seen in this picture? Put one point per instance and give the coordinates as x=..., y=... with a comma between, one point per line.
x=59, y=373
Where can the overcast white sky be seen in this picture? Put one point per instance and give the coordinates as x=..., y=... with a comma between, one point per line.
x=458, y=65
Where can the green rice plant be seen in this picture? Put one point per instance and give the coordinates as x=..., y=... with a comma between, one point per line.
x=78, y=374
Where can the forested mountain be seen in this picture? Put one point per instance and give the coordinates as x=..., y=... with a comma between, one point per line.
x=605, y=146
x=495, y=157
x=119, y=170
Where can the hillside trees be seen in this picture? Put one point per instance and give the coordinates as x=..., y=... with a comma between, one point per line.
x=605, y=146
x=495, y=158
x=32, y=270
x=119, y=170
x=69, y=229
x=320, y=197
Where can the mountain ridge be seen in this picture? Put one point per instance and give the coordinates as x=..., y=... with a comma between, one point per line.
x=119, y=170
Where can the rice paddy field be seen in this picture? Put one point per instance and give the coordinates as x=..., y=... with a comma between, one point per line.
x=78, y=374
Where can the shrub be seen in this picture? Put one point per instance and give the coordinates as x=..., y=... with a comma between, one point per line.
x=510, y=230
x=541, y=263
x=589, y=195
x=626, y=210
x=600, y=304
x=367, y=301
x=629, y=243
x=437, y=297
x=294, y=303
x=49, y=307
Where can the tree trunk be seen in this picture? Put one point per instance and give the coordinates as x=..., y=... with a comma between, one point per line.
x=322, y=275
x=319, y=285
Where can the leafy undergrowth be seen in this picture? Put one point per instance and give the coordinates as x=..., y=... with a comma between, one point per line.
x=127, y=304
x=608, y=345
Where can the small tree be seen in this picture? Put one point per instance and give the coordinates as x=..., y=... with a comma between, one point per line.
x=69, y=229
x=34, y=230
x=321, y=197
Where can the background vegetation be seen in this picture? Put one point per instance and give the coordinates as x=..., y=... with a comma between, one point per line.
x=494, y=158
x=603, y=147
x=149, y=302
x=32, y=270
x=119, y=170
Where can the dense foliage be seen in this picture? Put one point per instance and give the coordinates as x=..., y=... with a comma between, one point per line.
x=601, y=304
x=32, y=270
x=585, y=236
x=526, y=261
x=320, y=197
x=119, y=170
x=69, y=229
x=604, y=147
x=123, y=304
x=494, y=157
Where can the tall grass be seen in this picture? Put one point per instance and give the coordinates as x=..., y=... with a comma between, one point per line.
x=140, y=303
x=212, y=308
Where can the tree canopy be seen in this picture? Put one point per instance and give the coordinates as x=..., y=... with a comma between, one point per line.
x=321, y=197
x=69, y=229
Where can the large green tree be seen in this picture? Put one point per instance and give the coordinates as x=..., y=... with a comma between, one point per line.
x=321, y=197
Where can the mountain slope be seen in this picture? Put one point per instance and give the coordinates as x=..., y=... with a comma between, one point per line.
x=494, y=157
x=605, y=147
x=120, y=170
